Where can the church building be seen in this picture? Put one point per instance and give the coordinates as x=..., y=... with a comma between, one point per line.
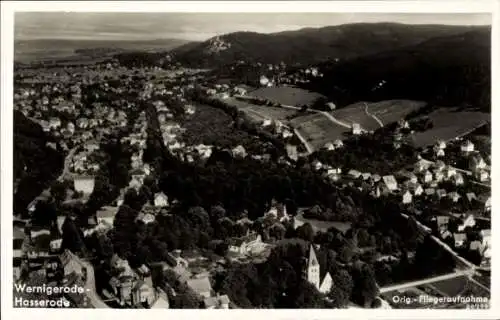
x=313, y=274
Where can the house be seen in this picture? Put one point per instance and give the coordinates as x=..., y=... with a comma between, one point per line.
x=438, y=176
x=84, y=184
x=135, y=183
x=439, y=165
x=313, y=275
x=338, y=144
x=106, y=215
x=487, y=204
x=243, y=245
x=55, y=123
x=467, y=146
x=317, y=165
x=441, y=193
x=291, y=151
x=415, y=188
x=375, y=178
x=459, y=239
x=329, y=146
x=427, y=177
x=438, y=152
x=239, y=152
x=477, y=163
x=390, y=182
x=445, y=233
x=161, y=200
x=442, y=221
x=356, y=129
x=458, y=179
x=355, y=174
x=145, y=218
x=475, y=245
x=481, y=175
x=454, y=196
x=468, y=222
x=449, y=172
x=242, y=89
x=217, y=302
x=366, y=176
x=407, y=197
x=201, y=286
x=430, y=191
x=422, y=165
x=471, y=196
x=440, y=144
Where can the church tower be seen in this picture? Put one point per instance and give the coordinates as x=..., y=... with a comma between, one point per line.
x=313, y=275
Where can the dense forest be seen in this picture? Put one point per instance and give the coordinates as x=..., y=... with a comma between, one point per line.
x=446, y=71
x=35, y=164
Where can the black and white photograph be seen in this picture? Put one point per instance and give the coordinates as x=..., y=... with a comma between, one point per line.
x=249, y=160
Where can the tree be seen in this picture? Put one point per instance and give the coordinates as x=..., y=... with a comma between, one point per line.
x=306, y=232
x=72, y=237
x=341, y=291
x=365, y=288
x=58, y=191
x=45, y=214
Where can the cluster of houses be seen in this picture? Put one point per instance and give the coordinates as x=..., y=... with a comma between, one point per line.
x=481, y=237
x=464, y=149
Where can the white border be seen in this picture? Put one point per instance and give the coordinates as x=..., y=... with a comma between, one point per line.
x=435, y=6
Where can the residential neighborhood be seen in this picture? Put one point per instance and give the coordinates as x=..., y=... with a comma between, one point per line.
x=168, y=180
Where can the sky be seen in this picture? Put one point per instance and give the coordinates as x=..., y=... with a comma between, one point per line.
x=202, y=26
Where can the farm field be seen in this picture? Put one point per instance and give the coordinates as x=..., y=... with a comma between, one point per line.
x=260, y=113
x=385, y=111
x=355, y=113
x=318, y=130
x=290, y=96
x=449, y=124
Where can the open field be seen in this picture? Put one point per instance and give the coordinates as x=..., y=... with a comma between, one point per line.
x=366, y=113
x=355, y=113
x=449, y=124
x=290, y=96
x=318, y=129
x=260, y=113
x=319, y=225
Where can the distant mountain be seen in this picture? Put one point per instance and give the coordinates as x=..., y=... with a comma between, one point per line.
x=310, y=45
x=450, y=70
x=41, y=49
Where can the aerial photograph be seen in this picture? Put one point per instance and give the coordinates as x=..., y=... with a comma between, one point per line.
x=172, y=160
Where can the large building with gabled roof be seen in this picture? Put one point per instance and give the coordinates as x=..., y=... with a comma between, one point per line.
x=313, y=273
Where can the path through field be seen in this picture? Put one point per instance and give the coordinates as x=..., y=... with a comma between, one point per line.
x=373, y=116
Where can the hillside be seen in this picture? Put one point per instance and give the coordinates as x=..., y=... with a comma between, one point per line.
x=310, y=45
x=40, y=49
x=448, y=71
x=35, y=164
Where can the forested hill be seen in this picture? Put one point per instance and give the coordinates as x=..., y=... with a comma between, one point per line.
x=310, y=45
x=449, y=71
x=35, y=164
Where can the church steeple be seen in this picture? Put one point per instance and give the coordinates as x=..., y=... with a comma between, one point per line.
x=313, y=268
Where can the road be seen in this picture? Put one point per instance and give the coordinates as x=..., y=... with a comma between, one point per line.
x=90, y=288
x=308, y=146
x=373, y=116
x=67, y=162
x=411, y=284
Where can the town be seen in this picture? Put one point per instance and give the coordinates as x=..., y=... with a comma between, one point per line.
x=151, y=183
